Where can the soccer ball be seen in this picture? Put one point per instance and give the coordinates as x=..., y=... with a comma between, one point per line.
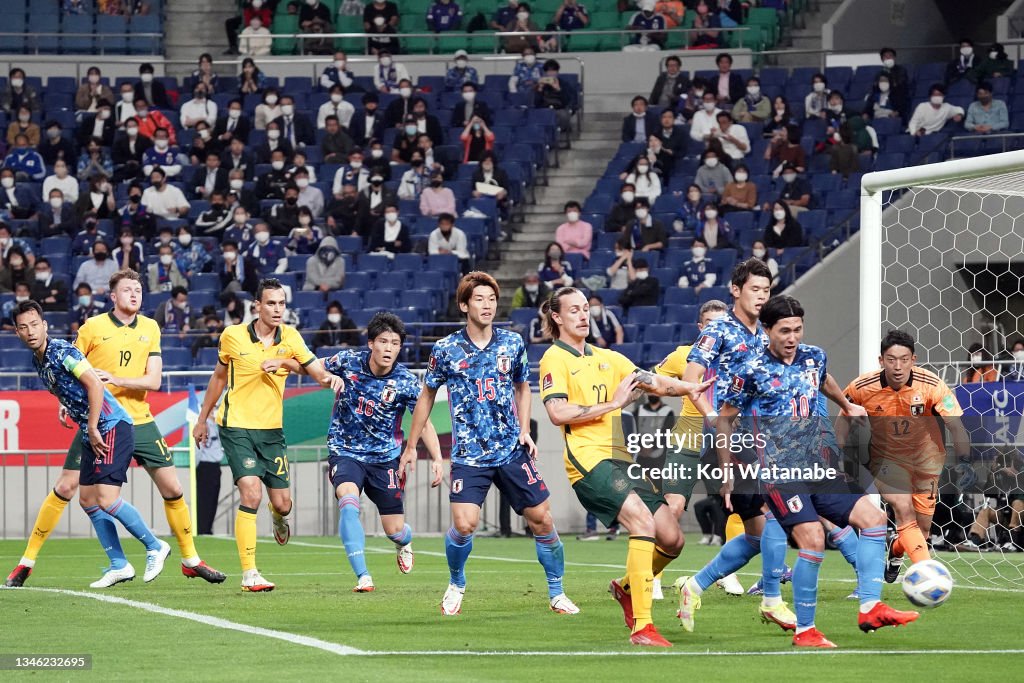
x=927, y=584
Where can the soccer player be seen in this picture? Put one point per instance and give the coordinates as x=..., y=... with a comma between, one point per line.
x=365, y=442
x=107, y=444
x=250, y=418
x=782, y=385
x=487, y=375
x=123, y=348
x=584, y=389
x=907, y=451
x=724, y=345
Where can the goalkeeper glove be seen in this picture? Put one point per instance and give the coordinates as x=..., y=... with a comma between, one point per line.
x=966, y=476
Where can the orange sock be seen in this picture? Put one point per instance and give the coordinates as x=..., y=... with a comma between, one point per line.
x=910, y=540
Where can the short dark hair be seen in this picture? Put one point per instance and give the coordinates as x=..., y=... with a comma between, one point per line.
x=638, y=98
x=937, y=87
x=886, y=50
x=674, y=58
x=178, y=290
x=723, y=55
x=572, y=204
x=897, y=338
x=43, y=259
x=385, y=322
x=752, y=267
x=265, y=284
x=778, y=307
x=446, y=217
x=335, y=304
x=24, y=307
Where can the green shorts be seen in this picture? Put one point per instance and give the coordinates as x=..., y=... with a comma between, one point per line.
x=683, y=464
x=257, y=453
x=604, y=489
x=150, y=448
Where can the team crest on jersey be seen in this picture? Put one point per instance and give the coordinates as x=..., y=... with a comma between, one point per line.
x=620, y=485
x=432, y=363
x=795, y=504
x=737, y=384
x=281, y=352
x=706, y=342
x=949, y=402
x=547, y=383
x=917, y=411
x=504, y=364
x=603, y=366
x=388, y=395
x=812, y=378
x=249, y=463
x=143, y=338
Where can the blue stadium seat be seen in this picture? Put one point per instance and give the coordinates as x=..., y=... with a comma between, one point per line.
x=631, y=350
x=680, y=296
x=111, y=34
x=534, y=352
x=43, y=23
x=679, y=315
x=350, y=299
x=207, y=358
x=644, y=315
x=719, y=292
x=177, y=359
x=659, y=333
x=520, y=317
x=205, y=282
x=307, y=300
x=79, y=44
x=420, y=299
x=13, y=22
x=376, y=263
x=380, y=298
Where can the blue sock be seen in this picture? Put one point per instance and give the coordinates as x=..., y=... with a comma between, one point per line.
x=733, y=555
x=870, y=563
x=403, y=537
x=106, y=532
x=773, y=557
x=846, y=540
x=551, y=556
x=130, y=519
x=351, y=532
x=805, y=586
x=457, y=548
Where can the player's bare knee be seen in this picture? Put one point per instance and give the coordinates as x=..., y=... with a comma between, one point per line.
x=464, y=527
x=809, y=536
x=66, y=488
x=281, y=499
x=670, y=538
x=539, y=519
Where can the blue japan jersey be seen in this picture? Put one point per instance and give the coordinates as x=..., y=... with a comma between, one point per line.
x=60, y=369
x=784, y=399
x=723, y=346
x=481, y=394
x=367, y=421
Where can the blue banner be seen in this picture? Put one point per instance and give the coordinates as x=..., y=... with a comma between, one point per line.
x=993, y=412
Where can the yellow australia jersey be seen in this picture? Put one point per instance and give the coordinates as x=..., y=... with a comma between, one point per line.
x=586, y=379
x=123, y=351
x=254, y=398
x=690, y=425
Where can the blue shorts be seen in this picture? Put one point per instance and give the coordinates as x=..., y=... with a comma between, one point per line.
x=519, y=480
x=797, y=503
x=113, y=467
x=381, y=482
x=747, y=505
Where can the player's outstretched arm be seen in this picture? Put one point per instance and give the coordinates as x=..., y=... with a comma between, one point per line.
x=663, y=385
x=561, y=412
x=695, y=373
x=218, y=380
x=834, y=392
x=148, y=382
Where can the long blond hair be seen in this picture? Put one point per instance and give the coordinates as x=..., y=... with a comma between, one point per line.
x=552, y=305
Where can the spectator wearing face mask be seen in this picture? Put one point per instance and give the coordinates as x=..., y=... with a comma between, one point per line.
x=981, y=369
x=305, y=237
x=88, y=236
x=605, y=328
x=760, y=251
x=325, y=270
x=783, y=230
x=644, y=233
x=575, y=236
x=671, y=85
x=150, y=121
x=55, y=147
x=786, y=150
x=522, y=22
x=444, y=16
x=413, y=181
x=816, y=101
x=255, y=40
x=162, y=155
x=932, y=116
x=531, y=293
x=284, y=215
x=61, y=180
x=390, y=235
x=50, y=291
x=965, y=65
x=124, y=106
x=129, y=253
x=640, y=122
x=986, y=114
x=235, y=273
x=24, y=161
x=713, y=176
x=337, y=329
x=643, y=288
x=347, y=214
x=526, y=74
x=881, y=102
x=1016, y=372
x=470, y=108
x=448, y=239
x=753, y=107
x=997, y=64
x=97, y=270
x=553, y=270
x=699, y=272
x=267, y=256
x=98, y=202
x=740, y=194
x=89, y=94
x=94, y=161
x=389, y=74
x=17, y=94
x=691, y=212
x=134, y=215
x=267, y=110
x=732, y=136
x=57, y=217
x=174, y=316
x=461, y=73
x=217, y=218
x=623, y=211
x=128, y=152
x=714, y=231
x=796, y=191
x=436, y=199
x=85, y=306
x=899, y=79
x=191, y=255
x=648, y=20
x=164, y=275
x=22, y=124
x=645, y=180
x=705, y=120
x=310, y=196
x=376, y=197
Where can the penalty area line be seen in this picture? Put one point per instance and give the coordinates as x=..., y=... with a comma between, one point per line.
x=207, y=620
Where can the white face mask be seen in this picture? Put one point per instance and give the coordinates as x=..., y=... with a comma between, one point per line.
x=56, y=203
x=529, y=60
x=303, y=183
x=759, y=253
x=819, y=86
x=531, y=288
x=572, y=216
x=236, y=183
x=1018, y=355
x=596, y=311
x=376, y=153
x=937, y=100
x=8, y=183
x=287, y=109
x=17, y=82
x=641, y=213
x=19, y=299
x=699, y=253
x=271, y=100
x=166, y=259
x=234, y=113
x=788, y=177
x=469, y=96
x=967, y=51
x=262, y=237
x=711, y=162
x=146, y=78
x=240, y=218
x=753, y=90
x=204, y=134
x=336, y=98
x=642, y=169
x=889, y=63
x=127, y=97
x=993, y=55
x=160, y=144
x=391, y=217
x=132, y=131
x=779, y=214
x=94, y=78
x=339, y=64
x=976, y=358
x=711, y=214
x=709, y=106
x=185, y=240
x=642, y=274
x=405, y=92
x=628, y=197
x=883, y=86
x=741, y=177
x=277, y=165
x=522, y=16
x=230, y=256
x=461, y=63
x=334, y=318
x=273, y=135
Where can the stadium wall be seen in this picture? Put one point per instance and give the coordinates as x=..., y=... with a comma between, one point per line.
x=869, y=24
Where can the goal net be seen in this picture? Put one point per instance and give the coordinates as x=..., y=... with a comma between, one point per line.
x=942, y=257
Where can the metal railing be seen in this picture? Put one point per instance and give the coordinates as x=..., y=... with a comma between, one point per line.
x=1003, y=138
x=34, y=42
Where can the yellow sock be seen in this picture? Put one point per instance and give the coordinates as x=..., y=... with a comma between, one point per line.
x=733, y=527
x=245, y=536
x=49, y=514
x=661, y=560
x=639, y=560
x=181, y=526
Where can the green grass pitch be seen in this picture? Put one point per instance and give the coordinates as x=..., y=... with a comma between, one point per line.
x=502, y=634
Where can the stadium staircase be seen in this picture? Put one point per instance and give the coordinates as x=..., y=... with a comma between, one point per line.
x=807, y=34
x=574, y=179
x=193, y=27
